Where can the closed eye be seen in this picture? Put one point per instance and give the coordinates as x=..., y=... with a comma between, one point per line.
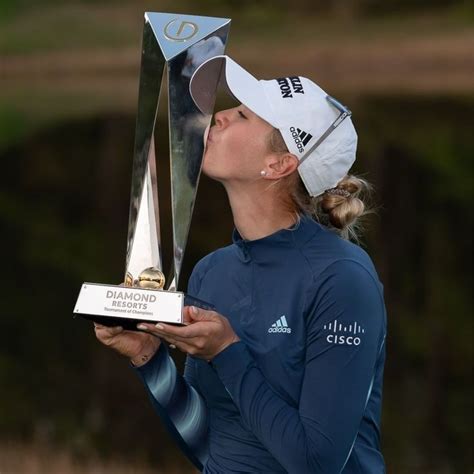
x=242, y=115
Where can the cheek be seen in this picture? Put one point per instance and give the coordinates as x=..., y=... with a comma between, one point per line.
x=237, y=154
x=245, y=151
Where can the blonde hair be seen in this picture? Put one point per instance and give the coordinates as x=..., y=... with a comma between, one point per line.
x=340, y=212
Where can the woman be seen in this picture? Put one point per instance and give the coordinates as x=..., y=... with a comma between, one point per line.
x=286, y=374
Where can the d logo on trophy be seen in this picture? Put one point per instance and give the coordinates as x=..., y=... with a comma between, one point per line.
x=173, y=45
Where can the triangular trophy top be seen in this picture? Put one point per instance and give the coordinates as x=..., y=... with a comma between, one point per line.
x=174, y=32
x=170, y=47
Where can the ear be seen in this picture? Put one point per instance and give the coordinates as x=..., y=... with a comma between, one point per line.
x=280, y=165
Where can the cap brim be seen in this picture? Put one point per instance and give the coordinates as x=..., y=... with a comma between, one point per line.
x=222, y=70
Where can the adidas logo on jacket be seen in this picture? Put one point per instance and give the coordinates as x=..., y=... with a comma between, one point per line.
x=281, y=325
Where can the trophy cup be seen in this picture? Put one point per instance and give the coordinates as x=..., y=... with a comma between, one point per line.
x=173, y=45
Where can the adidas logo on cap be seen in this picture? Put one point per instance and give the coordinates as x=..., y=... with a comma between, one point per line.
x=281, y=325
x=301, y=138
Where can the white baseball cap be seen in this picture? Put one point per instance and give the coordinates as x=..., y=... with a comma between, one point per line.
x=316, y=128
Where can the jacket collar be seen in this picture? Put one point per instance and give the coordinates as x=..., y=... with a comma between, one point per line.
x=293, y=236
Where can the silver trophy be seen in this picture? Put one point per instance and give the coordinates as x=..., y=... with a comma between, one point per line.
x=173, y=46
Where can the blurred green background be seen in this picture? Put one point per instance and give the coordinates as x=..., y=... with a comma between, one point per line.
x=68, y=95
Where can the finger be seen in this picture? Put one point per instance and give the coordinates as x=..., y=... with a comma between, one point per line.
x=199, y=314
x=115, y=331
x=171, y=340
x=177, y=341
x=108, y=328
x=183, y=332
x=186, y=316
x=149, y=329
x=170, y=330
x=184, y=347
x=109, y=331
x=176, y=345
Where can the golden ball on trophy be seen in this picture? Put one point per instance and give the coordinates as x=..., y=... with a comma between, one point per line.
x=151, y=278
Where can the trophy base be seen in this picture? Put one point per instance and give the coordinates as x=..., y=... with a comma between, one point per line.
x=113, y=305
x=128, y=324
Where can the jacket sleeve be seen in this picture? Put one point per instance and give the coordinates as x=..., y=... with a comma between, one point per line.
x=316, y=436
x=177, y=400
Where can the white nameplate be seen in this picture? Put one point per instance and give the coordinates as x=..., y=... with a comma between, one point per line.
x=130, y=303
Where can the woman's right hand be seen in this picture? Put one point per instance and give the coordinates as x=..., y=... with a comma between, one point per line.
x=139, y=347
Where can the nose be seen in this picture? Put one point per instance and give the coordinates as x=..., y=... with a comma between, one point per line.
x=221, y=118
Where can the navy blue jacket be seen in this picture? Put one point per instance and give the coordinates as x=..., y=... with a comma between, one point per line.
x=301, y=392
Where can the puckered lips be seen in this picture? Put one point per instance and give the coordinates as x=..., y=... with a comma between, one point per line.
x=206, y=137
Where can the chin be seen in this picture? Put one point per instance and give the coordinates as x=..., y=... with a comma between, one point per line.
x=207, y=166
x=208, y=173
x=212, y=166
x=211, y=173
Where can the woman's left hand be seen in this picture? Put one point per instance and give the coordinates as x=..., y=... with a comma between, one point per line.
x=208, y=333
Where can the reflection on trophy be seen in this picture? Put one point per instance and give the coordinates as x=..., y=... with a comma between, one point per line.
x=173, y=46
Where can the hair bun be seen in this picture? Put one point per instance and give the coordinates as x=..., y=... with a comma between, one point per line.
x=338, y=207
x=342, y=204
x=339, y=192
